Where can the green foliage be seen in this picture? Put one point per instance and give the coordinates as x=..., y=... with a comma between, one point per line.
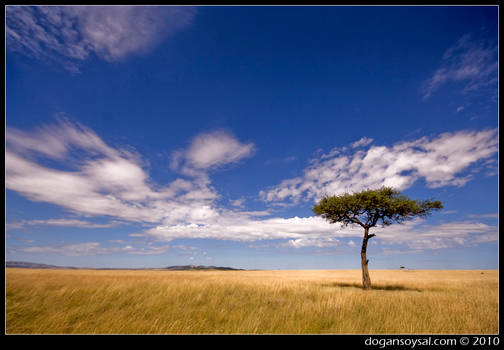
x=368, y=208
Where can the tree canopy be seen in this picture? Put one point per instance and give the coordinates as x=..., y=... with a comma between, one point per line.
x=369, y=208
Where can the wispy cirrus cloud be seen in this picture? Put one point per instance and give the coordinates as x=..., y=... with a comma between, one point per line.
x=93, y=178
x=439, y=161
x=90, y=178
x=96, y=248
x=362, y=142
x=470, y=63
x=60, y=222
x=78, y=249
x=485, y=216
x=69, y=35
x=93, y=249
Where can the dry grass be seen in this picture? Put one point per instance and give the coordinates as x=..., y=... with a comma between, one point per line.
x=264, y=302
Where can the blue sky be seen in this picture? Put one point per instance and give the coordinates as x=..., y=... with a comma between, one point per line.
x=157, y=136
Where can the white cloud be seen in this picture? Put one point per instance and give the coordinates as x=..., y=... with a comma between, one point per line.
x=388, y=251
x=471, y=63
x=237, y=202
x=150, y=250
x=460, y=109
x=79, y=249
x=107, y=181
x=209, y=151
x=238, y=227
x=68, y=35
x=56, y=141
x=448, y=212
x=488, y=216
x=418, y=235
x=440, y=161
x=362, y=142
x=314, y=231
x=93, y=249
x=312, y=242
x=60, y=222
x=102, y=180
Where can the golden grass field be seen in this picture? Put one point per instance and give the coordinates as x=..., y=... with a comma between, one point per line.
x=246, y=302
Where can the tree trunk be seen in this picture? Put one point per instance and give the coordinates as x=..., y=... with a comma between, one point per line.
x=366, y=280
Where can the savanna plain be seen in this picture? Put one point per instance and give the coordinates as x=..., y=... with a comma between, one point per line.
x=250, y=302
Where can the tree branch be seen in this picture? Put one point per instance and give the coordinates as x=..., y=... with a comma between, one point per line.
x=357, y=221
x=371, y=235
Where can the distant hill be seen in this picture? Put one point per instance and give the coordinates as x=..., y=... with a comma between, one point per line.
x=30, y=265
x=199, y=267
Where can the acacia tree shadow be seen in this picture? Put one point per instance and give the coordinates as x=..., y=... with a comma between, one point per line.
x=373, y=286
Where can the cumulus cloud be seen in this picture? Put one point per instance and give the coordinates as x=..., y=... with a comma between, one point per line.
x=68, y=165
x=69, y=35
x=300, y=232
x=312, y=242
x=238, y=227
x=316, y=232
x=471, y=63
x=209, y=151
x=417, y=234
x=439, y=160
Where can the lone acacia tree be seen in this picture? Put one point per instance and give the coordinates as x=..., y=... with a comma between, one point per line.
x=368, y=208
